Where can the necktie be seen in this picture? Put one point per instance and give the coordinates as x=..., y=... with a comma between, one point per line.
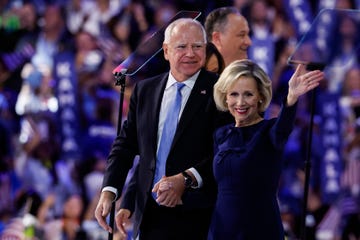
x=168, y=133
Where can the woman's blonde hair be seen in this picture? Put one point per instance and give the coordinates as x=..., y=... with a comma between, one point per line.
x=243, y=68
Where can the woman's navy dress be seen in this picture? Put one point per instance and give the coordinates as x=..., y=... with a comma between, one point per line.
x=247, y=168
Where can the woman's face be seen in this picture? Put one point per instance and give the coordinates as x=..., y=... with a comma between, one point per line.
x=243, y=100
x=213, y=64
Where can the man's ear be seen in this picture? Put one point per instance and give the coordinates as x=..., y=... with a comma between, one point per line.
x=216, y=38
x=165, y=50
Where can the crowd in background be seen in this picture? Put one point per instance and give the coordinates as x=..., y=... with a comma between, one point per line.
x=59, y=108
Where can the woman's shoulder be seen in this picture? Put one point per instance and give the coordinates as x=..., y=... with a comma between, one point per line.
x=223, y=131
x=224, y=128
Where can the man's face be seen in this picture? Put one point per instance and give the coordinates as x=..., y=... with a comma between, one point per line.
x=234, y=41
x=185, y=51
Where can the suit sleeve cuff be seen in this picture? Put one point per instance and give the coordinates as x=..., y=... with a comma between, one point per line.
x=197, y=176
x=111, y=189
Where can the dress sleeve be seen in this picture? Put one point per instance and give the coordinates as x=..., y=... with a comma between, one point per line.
x=220, y=135
x=283, y=125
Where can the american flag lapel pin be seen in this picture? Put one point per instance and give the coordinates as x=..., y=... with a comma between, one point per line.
x=203, y=91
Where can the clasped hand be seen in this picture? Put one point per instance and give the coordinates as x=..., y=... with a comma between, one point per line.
x=169, y=190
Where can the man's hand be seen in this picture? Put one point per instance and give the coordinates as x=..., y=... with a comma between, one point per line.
x=103, y=209
x=169, y=190
x=122, y=222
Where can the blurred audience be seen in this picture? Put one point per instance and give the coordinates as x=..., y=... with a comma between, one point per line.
x=40, y=191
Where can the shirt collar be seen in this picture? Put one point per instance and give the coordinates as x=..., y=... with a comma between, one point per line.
x=190, y=82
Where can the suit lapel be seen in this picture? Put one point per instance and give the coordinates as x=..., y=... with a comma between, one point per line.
x=201, y=92
x=158, y=88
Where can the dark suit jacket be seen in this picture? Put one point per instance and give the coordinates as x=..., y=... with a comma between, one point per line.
x=192, y=145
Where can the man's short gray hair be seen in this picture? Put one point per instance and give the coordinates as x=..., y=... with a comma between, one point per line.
x=182, y=21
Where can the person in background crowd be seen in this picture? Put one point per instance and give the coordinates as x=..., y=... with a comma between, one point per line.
x=349, y=199
x=183, y=195
x=68, y=225
x=96, y=144
x=247, y=163
x=53, y=36
x=214, y=62
x=9, y=182
x=229, y=31
x=350, y=102
x=342, y=54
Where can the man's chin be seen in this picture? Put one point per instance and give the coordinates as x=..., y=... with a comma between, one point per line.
x=244, y=56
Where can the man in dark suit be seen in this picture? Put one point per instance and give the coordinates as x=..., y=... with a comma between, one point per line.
x=185, y=195
x=229, y=31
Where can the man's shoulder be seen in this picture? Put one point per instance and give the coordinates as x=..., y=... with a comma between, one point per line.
x=206, y=79
x=211, y=76
x=206, y=76
x=151, y=80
